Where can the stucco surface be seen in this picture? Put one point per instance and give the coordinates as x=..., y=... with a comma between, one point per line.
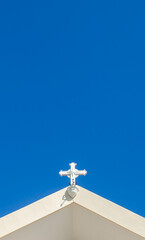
x=56, y=226
x=90, y=226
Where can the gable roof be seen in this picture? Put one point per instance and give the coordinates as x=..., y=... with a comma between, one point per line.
x=84, y=217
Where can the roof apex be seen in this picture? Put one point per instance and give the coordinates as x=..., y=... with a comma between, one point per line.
x=61, y=199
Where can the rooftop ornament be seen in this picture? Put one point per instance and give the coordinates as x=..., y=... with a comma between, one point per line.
x=72, y=173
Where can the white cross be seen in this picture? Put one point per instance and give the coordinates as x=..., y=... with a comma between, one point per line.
x=73, y=173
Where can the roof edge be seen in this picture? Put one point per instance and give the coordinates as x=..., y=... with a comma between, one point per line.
x=111, y=211
x=34, y=212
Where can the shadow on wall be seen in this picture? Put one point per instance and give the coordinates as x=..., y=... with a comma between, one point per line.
x=65, y=198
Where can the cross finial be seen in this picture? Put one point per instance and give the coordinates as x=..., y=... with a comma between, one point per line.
x=73, y=173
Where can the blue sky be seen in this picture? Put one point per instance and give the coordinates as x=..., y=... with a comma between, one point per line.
x=72, y=88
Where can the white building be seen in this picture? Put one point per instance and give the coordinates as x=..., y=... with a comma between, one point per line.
x=87, y=216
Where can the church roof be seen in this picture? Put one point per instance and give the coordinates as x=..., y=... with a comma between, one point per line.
x=59, y=217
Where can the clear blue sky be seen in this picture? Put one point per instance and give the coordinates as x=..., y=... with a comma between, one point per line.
x=72, y=88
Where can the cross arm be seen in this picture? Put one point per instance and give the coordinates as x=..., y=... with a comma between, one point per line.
x=81, y=172
x=64, y=173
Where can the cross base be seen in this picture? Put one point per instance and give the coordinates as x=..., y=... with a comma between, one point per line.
x=72, y=191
